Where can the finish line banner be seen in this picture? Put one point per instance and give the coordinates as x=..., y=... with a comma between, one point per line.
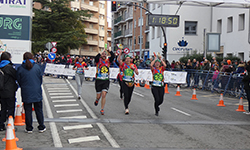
x=176, y=77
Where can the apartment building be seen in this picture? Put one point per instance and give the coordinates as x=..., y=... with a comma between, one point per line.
x=126, y=29
x=109, y=37
x=95, y=27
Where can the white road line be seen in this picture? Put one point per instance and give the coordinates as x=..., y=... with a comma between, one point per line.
x=66, y=105
x=75, y=117
x=57, y=88
x=180, y=111
x=77, y=127
x=138, y=94
x=84, y=139
x=58, y=94
x=53, y=97
x=108, y=136
x=54, y=132
x=56, y=91
x=62, y=101
x=55, y=85
x=67, y=111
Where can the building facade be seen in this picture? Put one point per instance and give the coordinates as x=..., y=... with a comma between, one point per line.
x=126, y=29
x=195, y=23
x=95, y=27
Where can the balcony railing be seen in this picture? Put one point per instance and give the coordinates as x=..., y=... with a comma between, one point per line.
x=147, y=45
x=128, y=32
x=119, y=33
x=89, y=7
x=129, y=15
x=120, y=18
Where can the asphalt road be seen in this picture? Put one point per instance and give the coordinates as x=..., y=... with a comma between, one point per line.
x=181, y=124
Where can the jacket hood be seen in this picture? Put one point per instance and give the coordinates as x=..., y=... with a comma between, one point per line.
x=3, y=63
x=241, y=65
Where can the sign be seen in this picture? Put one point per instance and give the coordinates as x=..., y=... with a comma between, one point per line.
x=14, y=27
x=48, y=45
x=119, y=46
x=54, y=44
x=126, y=50
x=3, y=47
x=51, y=56
x=54, y=50
x=213, y=42
x=163, y=20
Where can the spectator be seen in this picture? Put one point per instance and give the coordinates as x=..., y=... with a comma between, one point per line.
x=173, y=64
x=8, y=93
x=142, y=64
x=197, y=67
x=246, y=81
x=29, y=77
x=189, y=66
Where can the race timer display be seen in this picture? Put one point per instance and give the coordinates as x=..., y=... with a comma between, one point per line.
x=163, y=20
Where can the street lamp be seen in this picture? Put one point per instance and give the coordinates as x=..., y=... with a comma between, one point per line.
x=163, y=31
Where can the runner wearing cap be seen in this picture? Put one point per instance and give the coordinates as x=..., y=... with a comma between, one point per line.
x=158, y=82
x=128, y=70
x=102, y=77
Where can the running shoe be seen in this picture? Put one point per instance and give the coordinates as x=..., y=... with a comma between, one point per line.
x=126, y=111
x=96, y=102
x=102, y=112
x=247, y=113
x=79, y=97
x=157, y=114
x=43, y=130
x=29, y=132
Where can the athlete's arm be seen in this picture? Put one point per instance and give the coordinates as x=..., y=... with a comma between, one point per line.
x=163, y=63
x=152, y=64
x=133, y=67
x=111, y=59
x=119, y=57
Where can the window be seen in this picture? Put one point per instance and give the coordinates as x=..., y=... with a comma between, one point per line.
x=135, y=23
x=90, y=48
x=90, y=37
x=101, y=27
x=91, y=3
x=140, y=21
x=77, y=0
x=241, y=22
x=219, y=23
x=72, y=8
x=190, y=27
x=158, y=32
x=101, y=39
x=153, y=32
x=91, y=26
x=140, y=40
x=230, y=24
x=134, y=40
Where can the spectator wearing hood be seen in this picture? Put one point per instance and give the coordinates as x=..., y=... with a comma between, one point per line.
x=29, y=77
x=8, y=93
x=246, y=81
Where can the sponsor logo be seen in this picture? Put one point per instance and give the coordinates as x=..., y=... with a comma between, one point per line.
x=13, y=3
x=182, y=46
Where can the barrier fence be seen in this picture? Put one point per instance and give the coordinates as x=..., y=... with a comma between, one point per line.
x=221, y=82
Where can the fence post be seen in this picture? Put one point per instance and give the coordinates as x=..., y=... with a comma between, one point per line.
x=225, y=91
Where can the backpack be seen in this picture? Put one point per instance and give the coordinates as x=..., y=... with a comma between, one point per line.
x=1, y=80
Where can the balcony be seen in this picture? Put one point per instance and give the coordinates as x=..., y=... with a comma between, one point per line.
x=91, y=31
x=102, y=11
x=118, y=34
x=109, y=39
x=89, y=7
x=92, y=42
x=146, y=29
x=75, y=4
x=147, y=45
x=119, y=19
x=128, y=33
x=102, y=33
x=129, y=16
x=101, y=43
x=102, y=22
x=92, y=19
x=121, y=5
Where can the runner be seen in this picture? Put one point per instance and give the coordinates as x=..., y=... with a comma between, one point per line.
x=128, y=69
x=158, y=82
x=80, y=66
x=102, y=77
x=119, y=78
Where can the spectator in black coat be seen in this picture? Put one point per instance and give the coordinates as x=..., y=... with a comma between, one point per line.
x=8, y=93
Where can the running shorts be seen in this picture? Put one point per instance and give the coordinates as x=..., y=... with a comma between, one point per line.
x=101, y=85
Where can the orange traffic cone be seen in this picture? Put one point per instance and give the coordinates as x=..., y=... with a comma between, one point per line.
x=11, y=121
x=147, y=85
x=166, y=89
x=10, y=139
x=23, y=114
x=18, y=117
x=221, y=102
x=241, y=107
x=137, y=83
x=178, y=93
x=194, y=95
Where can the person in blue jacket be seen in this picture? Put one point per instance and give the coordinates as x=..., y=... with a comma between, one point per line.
x=29, y=77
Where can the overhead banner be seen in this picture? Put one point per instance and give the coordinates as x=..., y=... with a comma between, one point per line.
x=177, y=77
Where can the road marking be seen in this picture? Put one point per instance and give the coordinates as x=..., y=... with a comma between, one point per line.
x=53, y=97
x=138, y=94
x=181, y=111
x=84, y=139
x=105, y=132
x=54, y=132
x=77, y=127
x=56, y=91
x=66, y=105
x=57, y=88
x=56, y=85
x=61, y=101
x=58, y=94
x=70, y=110
x=75, y=117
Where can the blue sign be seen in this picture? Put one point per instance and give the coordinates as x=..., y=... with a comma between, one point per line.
x=15, y=27
x=51, y=56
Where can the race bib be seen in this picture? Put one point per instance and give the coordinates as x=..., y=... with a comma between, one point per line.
x=80, y=71
x=158, y=78
x=128, y=75
x=103, y=73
